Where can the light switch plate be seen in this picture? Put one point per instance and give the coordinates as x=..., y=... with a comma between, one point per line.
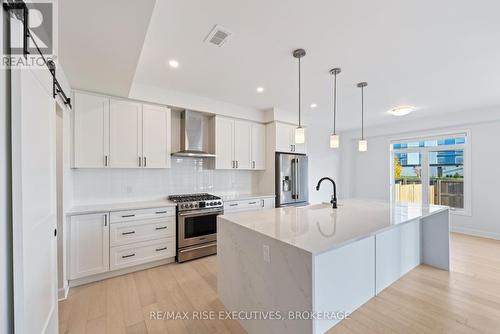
x=266, y=253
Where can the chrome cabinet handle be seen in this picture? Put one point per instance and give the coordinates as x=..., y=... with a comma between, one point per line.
x=235, y=204
x=253, y=164
x=105, y=161
x=236, y=163
x=160, y=228
x=105, y=220
x=140, y=161
x=130, y=255
x=160, y=212
x=145, y=162
x=252, y=202
x=161, y=249
x=127, y=233
x=233, y=163
x=128, y=216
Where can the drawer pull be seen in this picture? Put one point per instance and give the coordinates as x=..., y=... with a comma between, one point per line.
x=125, y=256
x=252, y=202
x=160, y=212
x=128, y=216
x=235, y=204
x=161, y=249
x=160, y=228
x=127, y=233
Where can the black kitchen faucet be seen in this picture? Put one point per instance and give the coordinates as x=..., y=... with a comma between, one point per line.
x=334, y=196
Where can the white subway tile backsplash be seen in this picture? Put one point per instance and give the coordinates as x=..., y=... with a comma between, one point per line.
x=187, y=175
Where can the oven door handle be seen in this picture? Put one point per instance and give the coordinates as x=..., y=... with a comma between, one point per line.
x=197, y=247
x=200, y=213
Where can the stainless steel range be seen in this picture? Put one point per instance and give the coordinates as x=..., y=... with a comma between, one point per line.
x=196, y=225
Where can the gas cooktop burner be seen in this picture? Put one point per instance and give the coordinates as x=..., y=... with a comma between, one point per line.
x=192, y=197
x=196, y=201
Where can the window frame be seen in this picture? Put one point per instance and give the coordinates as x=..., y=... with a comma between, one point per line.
x=424, y=151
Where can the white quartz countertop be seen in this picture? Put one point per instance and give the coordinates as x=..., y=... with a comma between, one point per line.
x=242, y=197
x=318, y=228
x=118, y=206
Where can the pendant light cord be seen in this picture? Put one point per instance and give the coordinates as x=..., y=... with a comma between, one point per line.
x=334, y=102
x=362, y=113
x=299, y=95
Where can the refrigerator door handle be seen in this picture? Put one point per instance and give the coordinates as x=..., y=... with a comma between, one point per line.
x=297, y=178
x=294, y=177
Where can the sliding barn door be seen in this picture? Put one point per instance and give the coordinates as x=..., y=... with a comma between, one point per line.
x=34, y=202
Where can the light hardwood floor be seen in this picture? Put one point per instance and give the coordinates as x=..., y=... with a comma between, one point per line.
x=427, y=300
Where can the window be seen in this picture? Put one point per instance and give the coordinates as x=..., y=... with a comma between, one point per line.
x=432, y=170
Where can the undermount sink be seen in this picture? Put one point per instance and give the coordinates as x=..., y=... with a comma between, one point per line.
x=320, y=206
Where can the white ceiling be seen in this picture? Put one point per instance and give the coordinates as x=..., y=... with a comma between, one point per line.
x=440, y=56
x=100, y=42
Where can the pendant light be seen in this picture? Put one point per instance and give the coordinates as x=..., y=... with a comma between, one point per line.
x=362, y=144
x=334, y=138
x=300, y=136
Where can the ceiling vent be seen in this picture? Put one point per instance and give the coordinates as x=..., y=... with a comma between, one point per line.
x=218, y=36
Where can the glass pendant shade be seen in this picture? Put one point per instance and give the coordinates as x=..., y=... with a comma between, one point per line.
x=363, y=145
x=300, y=135
x=334, y=141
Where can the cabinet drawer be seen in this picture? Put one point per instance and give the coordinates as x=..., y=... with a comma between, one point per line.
x=131, y=215
x=137, y=231
x=250, y=204
x=142, y=252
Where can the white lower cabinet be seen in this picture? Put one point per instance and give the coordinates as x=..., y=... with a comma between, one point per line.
x=103, y=242
x=88, y=245
x=397, y=252
x=248, y=204
x=130, y=232
x=142, y=252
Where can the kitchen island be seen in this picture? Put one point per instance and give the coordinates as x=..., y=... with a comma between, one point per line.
x=303, y=269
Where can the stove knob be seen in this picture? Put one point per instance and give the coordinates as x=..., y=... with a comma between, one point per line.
x=191, y=205
x=181, y=206
x=211, y=203
x=219, y=203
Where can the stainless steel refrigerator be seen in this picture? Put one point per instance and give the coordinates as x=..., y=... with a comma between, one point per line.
x=291, y=179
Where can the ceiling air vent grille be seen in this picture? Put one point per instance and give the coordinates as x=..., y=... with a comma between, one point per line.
x=218, y=36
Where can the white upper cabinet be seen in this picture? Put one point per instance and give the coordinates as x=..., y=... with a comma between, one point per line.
x=224, y=144
x=285, y=139
x=239, y=144
x=258, y=146
x=155, y=141
x=91, y=135
x=242, y=144
x=125, y=135
x=120, y=133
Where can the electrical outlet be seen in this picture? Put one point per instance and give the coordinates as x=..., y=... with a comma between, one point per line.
x=266, y=253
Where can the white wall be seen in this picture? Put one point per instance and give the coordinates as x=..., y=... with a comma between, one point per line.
x=6, y=316
x=323, y=160
x=367, y=174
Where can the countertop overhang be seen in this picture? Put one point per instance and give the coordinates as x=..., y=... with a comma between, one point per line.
x=317, y=228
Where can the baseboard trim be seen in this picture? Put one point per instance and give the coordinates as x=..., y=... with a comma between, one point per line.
x=109, y=274
x=476, y=233
x=62, y=293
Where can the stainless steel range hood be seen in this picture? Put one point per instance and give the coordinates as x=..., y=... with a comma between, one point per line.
x=193, y=135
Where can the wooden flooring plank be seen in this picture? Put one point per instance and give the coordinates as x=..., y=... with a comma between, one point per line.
x=426, y=300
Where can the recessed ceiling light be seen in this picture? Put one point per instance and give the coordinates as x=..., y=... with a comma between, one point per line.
x=313, y=105
x=173, y=63
x=401, y=110
x=260, y=89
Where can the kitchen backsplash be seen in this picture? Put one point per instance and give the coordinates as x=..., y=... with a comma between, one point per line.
x=186, y=175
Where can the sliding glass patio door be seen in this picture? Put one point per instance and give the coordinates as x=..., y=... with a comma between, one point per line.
x=431, y=170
